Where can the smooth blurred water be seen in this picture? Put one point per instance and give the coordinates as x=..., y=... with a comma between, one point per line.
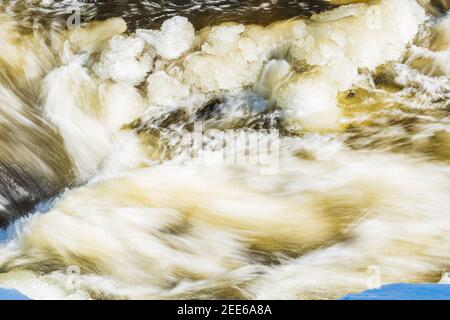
x=375, y=166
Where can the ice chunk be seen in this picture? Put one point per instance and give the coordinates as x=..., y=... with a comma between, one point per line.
x=126, y=60
x=164, y=90
x=177, y=35
x=223, y=39
x=311, y=103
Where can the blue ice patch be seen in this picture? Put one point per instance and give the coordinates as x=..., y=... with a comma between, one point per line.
x=42, y=207
x=11, y=294
x=3, y=235
x=404, y=291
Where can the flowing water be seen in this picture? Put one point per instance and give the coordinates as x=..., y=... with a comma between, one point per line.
x=223, y=149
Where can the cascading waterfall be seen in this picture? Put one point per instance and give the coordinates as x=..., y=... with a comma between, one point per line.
x=121, y=171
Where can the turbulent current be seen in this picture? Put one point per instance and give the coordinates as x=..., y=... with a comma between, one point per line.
x=223, y=149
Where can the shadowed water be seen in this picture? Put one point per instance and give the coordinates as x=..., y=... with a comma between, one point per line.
x=151, y=14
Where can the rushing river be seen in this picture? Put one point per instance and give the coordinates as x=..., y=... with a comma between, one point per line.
x=223, y=149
